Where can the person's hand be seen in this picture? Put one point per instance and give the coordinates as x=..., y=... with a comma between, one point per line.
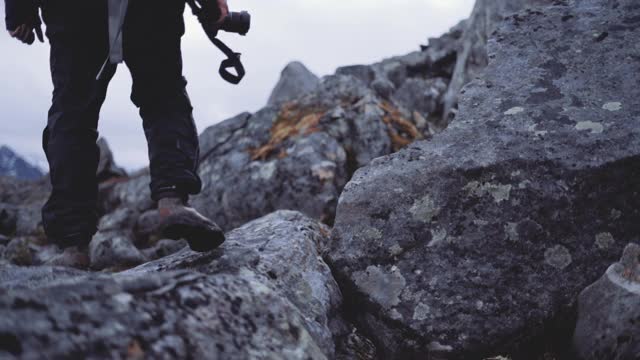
x=224, y=11
x=25, y=33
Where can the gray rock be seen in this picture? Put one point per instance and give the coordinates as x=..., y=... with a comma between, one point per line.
x=20, y=206
x=472, y=57
x=107, y=168
x=364, y=73
x=4, y=240
x=36, y=277
x=281, y=249
x=609, y=312
x=295, y=80
x=163, y=248
x=171, y=315
x=132, y=193
x=266, y=293
x=18, y=252
x=112, y=247
x=476, y=243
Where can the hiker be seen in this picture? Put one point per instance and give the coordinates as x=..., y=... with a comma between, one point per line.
x=88, y=39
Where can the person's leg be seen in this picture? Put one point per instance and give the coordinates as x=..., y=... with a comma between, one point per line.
x=152, y=52
x=152, y=36
x=77, y=31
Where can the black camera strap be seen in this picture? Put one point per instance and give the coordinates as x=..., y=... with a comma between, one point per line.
x=231, y=62
x=233, y=58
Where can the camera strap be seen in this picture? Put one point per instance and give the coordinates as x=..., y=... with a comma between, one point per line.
x=233, y=58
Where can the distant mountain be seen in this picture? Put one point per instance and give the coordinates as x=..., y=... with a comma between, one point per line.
x=11, y=164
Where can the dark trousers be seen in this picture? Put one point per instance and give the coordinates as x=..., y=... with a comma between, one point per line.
x=78, y=33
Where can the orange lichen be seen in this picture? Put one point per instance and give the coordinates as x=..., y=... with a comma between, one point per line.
x=291, y=121
x=401, y=131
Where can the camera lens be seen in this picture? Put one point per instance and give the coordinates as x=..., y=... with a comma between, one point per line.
x=237, y=22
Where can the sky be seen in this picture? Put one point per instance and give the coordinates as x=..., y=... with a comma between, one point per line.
x=322, y=34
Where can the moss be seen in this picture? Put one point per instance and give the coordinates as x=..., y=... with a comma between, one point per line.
x=291, y=121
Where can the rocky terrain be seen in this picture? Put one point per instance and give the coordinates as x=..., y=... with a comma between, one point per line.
x=465, y=201
x=11, y=164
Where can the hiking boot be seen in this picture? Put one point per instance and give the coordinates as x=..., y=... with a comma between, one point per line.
x=178, y=221
x=73, y=257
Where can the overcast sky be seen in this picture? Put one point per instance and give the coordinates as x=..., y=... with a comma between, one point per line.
x=323, y=34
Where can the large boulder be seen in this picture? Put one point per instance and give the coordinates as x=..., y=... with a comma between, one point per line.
x=609, y=312
x=266, y=293
x=283, y=250
x=471, y=53
x=166, y=316
x=478, y=242
x=295, y=80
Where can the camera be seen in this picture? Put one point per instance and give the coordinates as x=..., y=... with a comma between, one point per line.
x=237, y=22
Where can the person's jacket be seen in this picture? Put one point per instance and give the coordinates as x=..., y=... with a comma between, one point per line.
x=18, y=12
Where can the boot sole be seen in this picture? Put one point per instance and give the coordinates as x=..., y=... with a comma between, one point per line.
x=199, y=239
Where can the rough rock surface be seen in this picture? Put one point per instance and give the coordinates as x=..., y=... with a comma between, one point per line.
x=609, y=312
x=107, y=167
x=167, y=316
x=113, y=246
x=20, y=205
x=472, y=57
x=242, y=300
x=478, y=242
x=12, y=164
x=267, y=247
x=299, y=155
x=295, y=80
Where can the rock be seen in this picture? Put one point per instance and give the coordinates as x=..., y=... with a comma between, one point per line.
x=14, y=165
x=364, y=73
x=107, y=168
x=170, y=315
x=42, y=253
x=281, y=249
x=71, y=257
x=609, y=312
x=35, y=277
x=18, y=252
x=472, y=57
x=132, y=193
x=298, y=152
x=477, y=243
x=112, y=246
x=356, y=346
x=20, y=206
x=163, y=248
x=4, y=240
x=295, y=81
x=266, y=293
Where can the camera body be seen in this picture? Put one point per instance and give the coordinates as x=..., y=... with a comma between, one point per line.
x=235, y=22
